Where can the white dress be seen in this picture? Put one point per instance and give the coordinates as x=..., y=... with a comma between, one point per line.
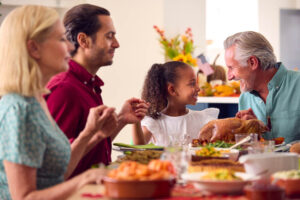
x=167, y=130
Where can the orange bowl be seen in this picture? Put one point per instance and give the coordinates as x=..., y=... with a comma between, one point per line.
x=291, y=187
x=132, y=189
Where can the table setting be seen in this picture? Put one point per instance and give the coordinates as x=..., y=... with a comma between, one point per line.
x=242, y=166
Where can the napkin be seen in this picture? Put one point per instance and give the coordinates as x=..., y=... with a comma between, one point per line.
x=146, y=146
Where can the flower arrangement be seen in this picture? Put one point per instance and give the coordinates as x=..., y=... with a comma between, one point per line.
x=231, y=89
x=178, y=48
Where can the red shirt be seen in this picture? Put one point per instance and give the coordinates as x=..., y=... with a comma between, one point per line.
x=72, y=95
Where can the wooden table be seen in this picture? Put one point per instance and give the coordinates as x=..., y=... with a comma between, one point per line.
x=92, y=190
x=95, y=192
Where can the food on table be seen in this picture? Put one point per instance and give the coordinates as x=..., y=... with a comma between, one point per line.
x=278, y=140
x=217, y=144
x=132, y=180
x=214, y=164
x=289, y=181
x=221, y=175
x=225, y=129
x=158, y=165
x=295, y=148
x=143, y=157
x=155, y=170
x=208, y=151
x=291, y=174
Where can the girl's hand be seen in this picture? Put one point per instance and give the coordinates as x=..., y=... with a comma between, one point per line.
x=99, y=117
x=133, y=111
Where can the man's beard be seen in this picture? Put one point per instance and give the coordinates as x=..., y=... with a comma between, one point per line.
x=244, y=87
x=99, y=56
x=107, y=63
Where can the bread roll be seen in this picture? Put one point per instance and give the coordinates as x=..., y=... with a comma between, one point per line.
x=295, y=148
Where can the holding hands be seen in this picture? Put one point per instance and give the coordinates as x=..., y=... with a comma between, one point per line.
x=101, y=120
x=133, y=111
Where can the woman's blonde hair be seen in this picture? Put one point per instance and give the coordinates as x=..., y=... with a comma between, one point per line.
x=19, y=72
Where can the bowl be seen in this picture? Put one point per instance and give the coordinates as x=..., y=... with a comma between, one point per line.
x=231, y=153
x=137, y=189
x=262, y=191
x=265, y=164
x=290, y=186
x=289, y=181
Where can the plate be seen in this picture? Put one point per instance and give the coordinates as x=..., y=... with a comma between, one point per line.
x=216, y=186
x=279, y=145
x=124, y=149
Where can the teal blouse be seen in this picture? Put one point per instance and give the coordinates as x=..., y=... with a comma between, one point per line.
x=282, y=105
x=28, y=137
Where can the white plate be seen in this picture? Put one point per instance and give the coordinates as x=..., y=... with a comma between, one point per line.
x=218, y=187
x=279, y=145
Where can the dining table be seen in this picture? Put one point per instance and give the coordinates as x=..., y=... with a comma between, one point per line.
x=180, y=191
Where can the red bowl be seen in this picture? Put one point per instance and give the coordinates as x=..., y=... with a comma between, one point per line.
x=130, y=189
x=264, y=191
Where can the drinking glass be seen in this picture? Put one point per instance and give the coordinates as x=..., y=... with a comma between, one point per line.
x=177, y=153
x=262, y=147
x=239, y=137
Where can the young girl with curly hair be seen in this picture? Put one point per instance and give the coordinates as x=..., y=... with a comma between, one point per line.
x=169, y=88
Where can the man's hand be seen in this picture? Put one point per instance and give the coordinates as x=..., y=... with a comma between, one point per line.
x=246, y=114
x=133, y=111
x=107, y=128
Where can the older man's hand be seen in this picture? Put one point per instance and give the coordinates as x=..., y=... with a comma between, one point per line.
x=246, y=114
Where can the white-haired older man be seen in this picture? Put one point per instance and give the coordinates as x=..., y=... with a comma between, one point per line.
x=270, y=91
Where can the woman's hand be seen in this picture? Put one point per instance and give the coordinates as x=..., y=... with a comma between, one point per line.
x=92, y=176
x=22, y=180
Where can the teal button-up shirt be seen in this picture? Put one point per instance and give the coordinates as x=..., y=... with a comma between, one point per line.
x=282, y=105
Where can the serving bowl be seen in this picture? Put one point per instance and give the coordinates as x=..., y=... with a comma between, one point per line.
x=288, y=182
x=137, y=189
x=266, y=164
x=290, y=186
x=264, y=191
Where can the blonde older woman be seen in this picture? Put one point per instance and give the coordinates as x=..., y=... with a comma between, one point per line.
x=35, y=156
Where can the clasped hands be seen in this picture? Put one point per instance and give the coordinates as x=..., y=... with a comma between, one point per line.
x=102, y=121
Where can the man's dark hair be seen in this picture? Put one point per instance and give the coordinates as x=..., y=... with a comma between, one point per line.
x=83, y=18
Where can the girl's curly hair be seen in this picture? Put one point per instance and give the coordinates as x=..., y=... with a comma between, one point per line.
x=155, y=86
